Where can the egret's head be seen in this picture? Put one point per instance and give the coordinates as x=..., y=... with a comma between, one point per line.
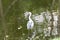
x=30, y=14
x=27, y=14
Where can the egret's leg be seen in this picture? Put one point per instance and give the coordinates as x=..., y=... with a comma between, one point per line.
x=33, y=34
x=29, y=34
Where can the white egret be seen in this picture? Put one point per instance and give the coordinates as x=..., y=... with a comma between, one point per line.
x=30, y=23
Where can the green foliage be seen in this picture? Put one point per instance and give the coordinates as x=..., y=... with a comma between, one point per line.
x=14, y=16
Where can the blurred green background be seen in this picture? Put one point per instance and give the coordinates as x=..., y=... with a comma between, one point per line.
x=13, y=11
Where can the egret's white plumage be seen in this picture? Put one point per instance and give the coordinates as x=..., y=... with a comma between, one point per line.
x=30, y=23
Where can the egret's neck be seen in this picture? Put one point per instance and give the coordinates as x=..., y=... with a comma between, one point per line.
x=30, y=18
